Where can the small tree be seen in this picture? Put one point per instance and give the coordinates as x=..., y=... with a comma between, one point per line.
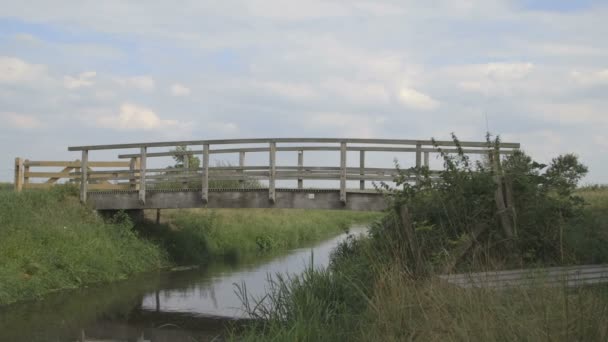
x=182, y=159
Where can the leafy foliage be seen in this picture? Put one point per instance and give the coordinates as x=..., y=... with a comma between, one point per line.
x=456, y=216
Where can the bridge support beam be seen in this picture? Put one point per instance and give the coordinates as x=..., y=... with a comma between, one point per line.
x=300, y=168
x=343, y=172
x=142, y=175
x=362, y=169
x=272, y=172
x=205, y=180
x=84, y=169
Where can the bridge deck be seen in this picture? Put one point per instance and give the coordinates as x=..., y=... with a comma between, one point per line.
x=358, y=200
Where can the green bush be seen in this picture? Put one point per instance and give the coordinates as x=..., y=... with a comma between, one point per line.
x=457, y=219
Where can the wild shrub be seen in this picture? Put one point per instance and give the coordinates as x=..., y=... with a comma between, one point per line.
x=455, y=218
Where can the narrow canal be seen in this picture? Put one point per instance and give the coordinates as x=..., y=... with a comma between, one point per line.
x=187, y=305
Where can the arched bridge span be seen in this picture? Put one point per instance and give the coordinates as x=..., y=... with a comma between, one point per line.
x=190, y=184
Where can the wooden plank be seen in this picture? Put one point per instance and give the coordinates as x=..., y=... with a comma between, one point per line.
x=109, y=186
x=53, y=180
x=343, y=172
x=300, y=167
x=314, y=148
x=289, y=140
x=142, y=175
x=77, y=164
x=362, y=169
x=569, y=276
x=272, y=171
x=54, y=176
x=205, y=181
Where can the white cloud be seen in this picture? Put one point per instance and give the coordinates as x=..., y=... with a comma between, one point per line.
x=356, y=92
x=179, y=90
x=344, y=124
x=287, y=89
x=84, y=79
x=135, y=117
x=144, y=83
x=223, y=127
x=15, y=70
x=590, y=77
x=417, y=100
x=21, y=121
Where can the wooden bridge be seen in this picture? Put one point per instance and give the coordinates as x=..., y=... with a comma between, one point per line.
x=133, y=184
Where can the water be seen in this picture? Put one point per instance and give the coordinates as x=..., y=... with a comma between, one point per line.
x=192, y=305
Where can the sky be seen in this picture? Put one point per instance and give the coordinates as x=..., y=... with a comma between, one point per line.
x=100, y=72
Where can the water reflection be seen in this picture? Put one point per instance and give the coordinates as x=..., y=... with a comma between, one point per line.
x=170, y=306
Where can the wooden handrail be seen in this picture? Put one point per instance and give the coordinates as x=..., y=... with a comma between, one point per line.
x=290, y=140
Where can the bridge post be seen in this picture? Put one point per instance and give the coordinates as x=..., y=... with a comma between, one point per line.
x=343, y=172
x=186, y=169
x=426, y=159
x=300, y=168
x=142, y=175
x=418, y=155
x=205, y=181
x=84, y=169
x=18, y=174
x=362, y=169
x=242, y=170
x=132, y=166
x=272, y=171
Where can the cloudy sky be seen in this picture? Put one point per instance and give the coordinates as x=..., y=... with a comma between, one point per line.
x=96, y=72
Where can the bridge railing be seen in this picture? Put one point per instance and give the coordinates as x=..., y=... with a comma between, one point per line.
x=39, y=174
x=139, y=177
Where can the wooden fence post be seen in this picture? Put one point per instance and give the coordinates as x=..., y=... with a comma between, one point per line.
x=362, y=169
x=84, y=180
x=300, y=168
x=26, y=171
x=272, y=172
x=205, y=183
x=242, y=170
x=343, y=172
x=18, y=174
x=426, y=159
x=142, y=174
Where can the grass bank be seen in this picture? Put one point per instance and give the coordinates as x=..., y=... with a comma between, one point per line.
x=484, y=215
x=365, y=296
x=197, y=235
x=48, y=241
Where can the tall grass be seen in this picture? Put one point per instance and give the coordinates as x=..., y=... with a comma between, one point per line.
x=360, y=298
x=196, y=235
x=385, y=287
x=49, y=241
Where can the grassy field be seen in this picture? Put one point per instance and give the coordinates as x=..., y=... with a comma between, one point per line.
x=48, y=241
x=194, y=235
x=362, y=297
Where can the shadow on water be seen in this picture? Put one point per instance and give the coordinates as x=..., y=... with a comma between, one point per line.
x=188, y=305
